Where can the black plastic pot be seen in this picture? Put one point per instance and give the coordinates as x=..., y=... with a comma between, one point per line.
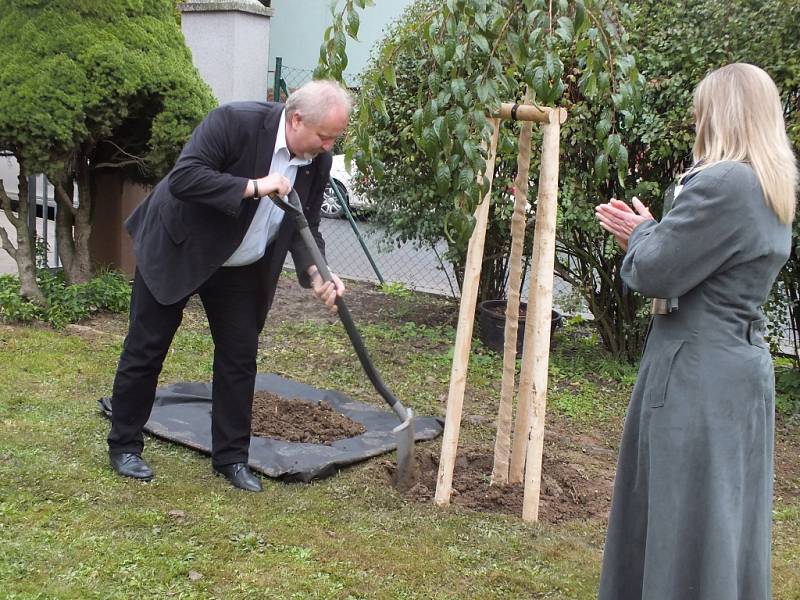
x=492, y=324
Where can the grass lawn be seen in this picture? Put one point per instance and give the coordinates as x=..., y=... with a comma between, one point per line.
x=70, y=528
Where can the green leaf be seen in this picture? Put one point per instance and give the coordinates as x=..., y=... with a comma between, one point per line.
x=550, y=64
x=440, y=129
x=534, y=37
x=566, y=29
x=481, y=20
x=430, y=141
x=449, y=50
x=439, y=54
x=540, y=83
x=602, y=128
x=580, y=15
x=466, y=178
x=612, y=145
x=417, y=120
x=589, y=85
x=442, y=178
x=557, y=91
x=390, y=76
x=470, y=151
x=485, y=90
x=380, y=106
x=434, y=81
x=601, y=166
x=458, y=87
x=481, y=42
x=353, y=21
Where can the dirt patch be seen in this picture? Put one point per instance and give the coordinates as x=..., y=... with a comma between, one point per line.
x=577, y=479
x=366, y=302
x=299, y=421
x=577, y=475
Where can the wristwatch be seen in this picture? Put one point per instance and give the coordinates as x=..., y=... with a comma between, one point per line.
x=256, y=195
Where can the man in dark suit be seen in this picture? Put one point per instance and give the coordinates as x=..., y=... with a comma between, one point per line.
x=206, y=230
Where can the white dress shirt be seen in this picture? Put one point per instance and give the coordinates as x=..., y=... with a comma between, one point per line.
x=268, y=217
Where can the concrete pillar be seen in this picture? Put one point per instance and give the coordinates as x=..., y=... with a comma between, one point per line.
x=229, y=40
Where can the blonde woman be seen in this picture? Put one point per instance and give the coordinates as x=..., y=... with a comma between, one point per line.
x=691, y=512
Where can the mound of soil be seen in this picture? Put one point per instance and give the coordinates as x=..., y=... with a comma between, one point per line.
x=577, y=480
x=299, y=421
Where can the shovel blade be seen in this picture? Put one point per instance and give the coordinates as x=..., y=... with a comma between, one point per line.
x=406, y=475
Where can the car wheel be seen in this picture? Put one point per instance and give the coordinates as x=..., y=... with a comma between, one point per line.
x=331, y=208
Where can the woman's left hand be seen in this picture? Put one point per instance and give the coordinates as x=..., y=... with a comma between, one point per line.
x=619, y=219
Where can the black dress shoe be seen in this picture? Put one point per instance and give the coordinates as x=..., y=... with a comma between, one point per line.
x=129, y=464
x=240, y=476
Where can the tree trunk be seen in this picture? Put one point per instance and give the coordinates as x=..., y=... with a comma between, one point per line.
x=24, y=252
x=65, y=218
x=81, y=267
x=502, y=445
x=74, y=224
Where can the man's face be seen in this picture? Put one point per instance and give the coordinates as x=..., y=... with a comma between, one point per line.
x=307, y=139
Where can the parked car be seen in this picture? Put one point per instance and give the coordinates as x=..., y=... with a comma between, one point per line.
x=344, y=183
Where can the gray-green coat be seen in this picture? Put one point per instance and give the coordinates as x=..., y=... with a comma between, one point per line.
x=691, y=512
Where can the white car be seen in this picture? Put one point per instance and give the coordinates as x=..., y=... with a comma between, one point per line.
x=343, y=181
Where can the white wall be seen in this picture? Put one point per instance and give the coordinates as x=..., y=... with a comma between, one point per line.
x=298, y=27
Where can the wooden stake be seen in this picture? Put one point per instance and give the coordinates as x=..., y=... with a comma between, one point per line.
x=502, y=443
x=466, y=318
x=546, y=217
x=519, y=451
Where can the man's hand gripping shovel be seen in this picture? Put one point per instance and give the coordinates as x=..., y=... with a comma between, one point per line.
x=406, y=466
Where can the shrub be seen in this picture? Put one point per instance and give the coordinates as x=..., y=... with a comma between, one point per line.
x=65, y=304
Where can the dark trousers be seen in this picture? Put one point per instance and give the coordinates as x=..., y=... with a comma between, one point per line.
x=235, y=305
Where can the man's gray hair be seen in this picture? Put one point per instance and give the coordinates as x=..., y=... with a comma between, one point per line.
x=314, y=99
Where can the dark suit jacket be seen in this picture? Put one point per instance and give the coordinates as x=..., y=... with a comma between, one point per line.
x=195, y=217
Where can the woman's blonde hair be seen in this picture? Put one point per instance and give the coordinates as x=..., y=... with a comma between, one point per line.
x=739, y=117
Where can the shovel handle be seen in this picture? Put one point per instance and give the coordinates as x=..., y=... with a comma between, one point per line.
x=347, y=320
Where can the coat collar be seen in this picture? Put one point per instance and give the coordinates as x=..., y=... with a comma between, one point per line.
x=265, y=147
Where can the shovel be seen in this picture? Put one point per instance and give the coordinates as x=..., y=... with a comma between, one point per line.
x=406, y=467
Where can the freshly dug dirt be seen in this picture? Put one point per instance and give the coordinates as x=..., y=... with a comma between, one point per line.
x=299, y=421
x=577, y=479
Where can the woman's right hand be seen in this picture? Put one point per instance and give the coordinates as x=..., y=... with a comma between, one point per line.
x=619, y=219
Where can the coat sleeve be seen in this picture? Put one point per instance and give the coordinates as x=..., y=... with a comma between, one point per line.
x=702, y=234
x=198, y=175
x=301, y=257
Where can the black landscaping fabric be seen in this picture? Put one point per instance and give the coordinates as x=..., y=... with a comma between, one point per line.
x=182, y=414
